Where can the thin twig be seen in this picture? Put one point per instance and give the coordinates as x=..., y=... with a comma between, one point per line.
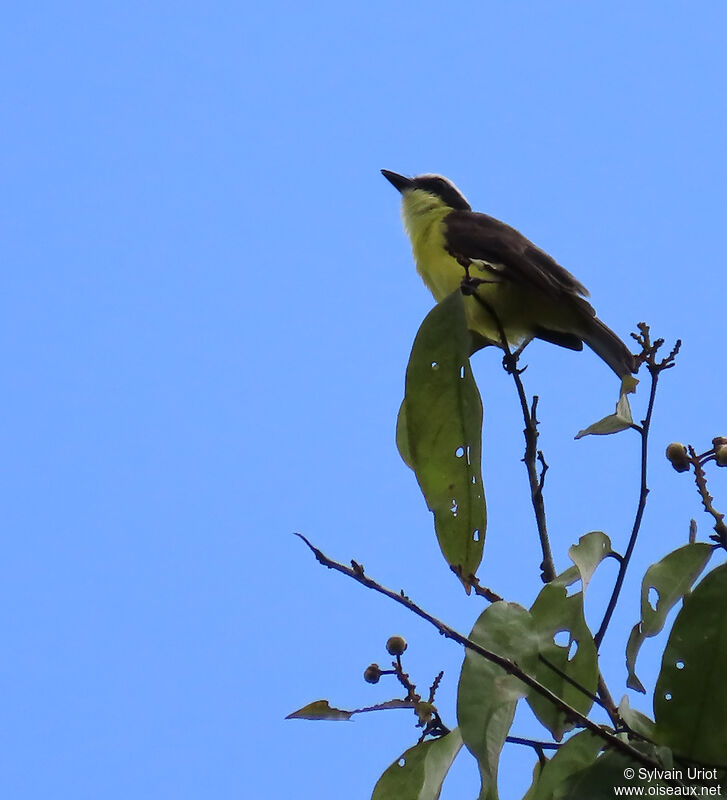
x=534, y=743
x=700, y=478
x=543, y=465
x=608, y=704
x=574, y=683
x=643, y=493
x=435, y=685
x=483, y=591
x=647, y=356
x=356, y=571
x=403, y=678
x=547, y=566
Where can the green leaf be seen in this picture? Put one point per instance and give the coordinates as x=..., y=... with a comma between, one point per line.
x=671, y=578
x=578, y=752
x=537, y=772
x=421, y=770
x=690, y=699
x=637, y=722
x=402, y=436
x=487, y=695
x=633, y=645
x=599, y=780
x=613, y=423
x=629, y=384
x=591, y=550
x=443, y=416
x=555, y=613
x=623, y=409
x=320, y=709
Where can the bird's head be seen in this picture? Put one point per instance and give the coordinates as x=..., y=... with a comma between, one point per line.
x=424, y=193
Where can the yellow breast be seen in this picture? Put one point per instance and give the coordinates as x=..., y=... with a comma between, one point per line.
x=443, y=274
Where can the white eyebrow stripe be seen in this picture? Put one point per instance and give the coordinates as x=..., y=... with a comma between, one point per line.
x=446, y=180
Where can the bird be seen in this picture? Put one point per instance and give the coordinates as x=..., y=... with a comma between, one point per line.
x=517, y=291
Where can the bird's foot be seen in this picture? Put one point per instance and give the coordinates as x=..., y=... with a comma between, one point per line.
x=510, y=361
x=469, y=284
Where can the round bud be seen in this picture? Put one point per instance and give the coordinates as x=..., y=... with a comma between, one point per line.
x=721, y=455
x=677, y=455
x=372, y=673
x=396, y=645
x=718, y=441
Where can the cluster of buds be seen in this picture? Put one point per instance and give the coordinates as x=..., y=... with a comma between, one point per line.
x=426, y=712
x=681, y=459
x=395, y=646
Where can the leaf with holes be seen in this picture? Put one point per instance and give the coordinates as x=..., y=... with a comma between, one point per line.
x=568, y=655
x=442, y=412
x=487, y=695
x=690, y=699
x=590, y=551
x=577, y=753
x=421, y=770
x=668, y=580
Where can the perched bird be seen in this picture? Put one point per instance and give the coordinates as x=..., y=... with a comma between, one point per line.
x=531, y=295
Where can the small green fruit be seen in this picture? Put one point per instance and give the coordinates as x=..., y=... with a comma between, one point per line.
x=720, y=455
x=677, y=455
x=396, y=645
x=372, y=673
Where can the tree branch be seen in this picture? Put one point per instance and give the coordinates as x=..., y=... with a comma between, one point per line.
x=647, y=356
x=700, y=478
x=534, y=743
x=356, y=571
x=530, y=431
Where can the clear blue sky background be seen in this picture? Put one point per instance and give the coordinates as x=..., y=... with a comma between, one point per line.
x=208, y=304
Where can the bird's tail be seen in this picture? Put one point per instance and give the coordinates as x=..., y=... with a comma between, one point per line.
x=606, y=344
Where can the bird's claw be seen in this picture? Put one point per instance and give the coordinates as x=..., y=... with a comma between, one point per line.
x=469, y=284
x=510, y=361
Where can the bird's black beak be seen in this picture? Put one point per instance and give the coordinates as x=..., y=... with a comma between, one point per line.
x=399, y=181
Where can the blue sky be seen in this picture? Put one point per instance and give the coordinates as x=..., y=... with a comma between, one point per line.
x=208, y=305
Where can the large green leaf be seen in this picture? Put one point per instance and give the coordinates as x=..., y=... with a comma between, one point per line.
x=487, y=695
x=611, y=772
x=442, y=415
x=690, y=699
x=555, y=614
x=671, y=578
x=421, y=770
x=402, y=436
x=577, y=753
x=537, y=771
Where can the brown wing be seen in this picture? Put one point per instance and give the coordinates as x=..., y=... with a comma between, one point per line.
x=470, y=235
